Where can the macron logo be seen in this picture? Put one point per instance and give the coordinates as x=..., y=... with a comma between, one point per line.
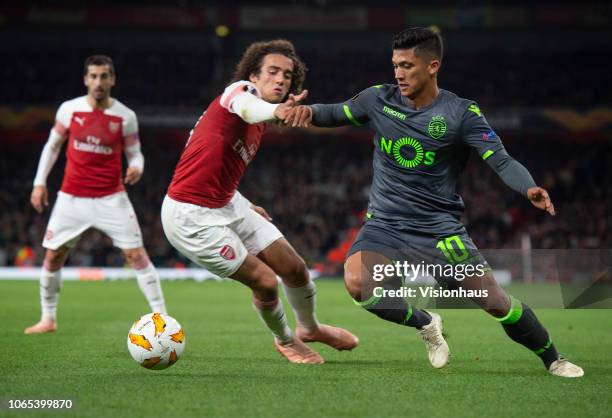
x=394, y=113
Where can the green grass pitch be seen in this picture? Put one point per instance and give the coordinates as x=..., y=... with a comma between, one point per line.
x=229, y=368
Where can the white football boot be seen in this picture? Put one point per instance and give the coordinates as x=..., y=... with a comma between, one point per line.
x=564, y=368
x=437, y=348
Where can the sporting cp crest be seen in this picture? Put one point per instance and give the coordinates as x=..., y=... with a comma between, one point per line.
x=437, y=127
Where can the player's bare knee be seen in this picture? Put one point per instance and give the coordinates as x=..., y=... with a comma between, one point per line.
x=137, y=258
x=295, y=272
x=352, y=282
x=268, y=283
x=262, y=279
x=265, y=287
x=55, y=259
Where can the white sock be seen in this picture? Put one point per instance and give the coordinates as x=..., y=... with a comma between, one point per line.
x=273, y=316
x=148, y=281
x=303, y=302
x=50, y=285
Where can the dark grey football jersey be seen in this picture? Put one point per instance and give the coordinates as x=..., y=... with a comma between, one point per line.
x=419, y=154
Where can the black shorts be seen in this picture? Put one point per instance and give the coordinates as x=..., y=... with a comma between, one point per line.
x=445, y=244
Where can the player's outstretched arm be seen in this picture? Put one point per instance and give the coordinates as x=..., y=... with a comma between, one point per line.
x=518, y=178
x=40, y=195
x=350, y=112
x=337, y=114
x=323, y=115
x=477, y=133
x=241, y=99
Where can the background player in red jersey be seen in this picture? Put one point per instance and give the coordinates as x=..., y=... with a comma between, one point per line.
x=98, y=128
x=211, y=223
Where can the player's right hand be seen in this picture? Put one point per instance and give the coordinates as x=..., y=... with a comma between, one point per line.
x=39, y=198
x=294, y=100
x=284, y=108
x=299, y=117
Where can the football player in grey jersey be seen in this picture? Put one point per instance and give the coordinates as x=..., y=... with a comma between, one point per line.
x=423, y=138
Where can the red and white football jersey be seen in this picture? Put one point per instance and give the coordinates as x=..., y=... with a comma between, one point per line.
x=217, y=153
x=95, y=144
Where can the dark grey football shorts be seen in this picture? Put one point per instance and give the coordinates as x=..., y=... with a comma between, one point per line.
x=440, y=243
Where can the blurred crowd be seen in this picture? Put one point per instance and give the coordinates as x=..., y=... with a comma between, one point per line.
x=493, y=79
x=316, y=191
x=193, y=78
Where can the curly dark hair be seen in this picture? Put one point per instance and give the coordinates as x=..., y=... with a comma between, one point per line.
x=253, y=57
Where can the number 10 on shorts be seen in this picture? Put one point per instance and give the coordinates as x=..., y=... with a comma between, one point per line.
x=453, y=249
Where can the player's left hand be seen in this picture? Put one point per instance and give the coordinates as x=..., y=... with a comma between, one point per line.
x=261, y=211
x=540, y=199
x=132, y=175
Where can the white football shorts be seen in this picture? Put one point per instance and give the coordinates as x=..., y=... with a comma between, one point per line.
x=217, y=239
x=73, y=215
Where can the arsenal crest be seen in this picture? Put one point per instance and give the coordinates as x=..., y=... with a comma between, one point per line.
x=227, y=252
x=113, y=127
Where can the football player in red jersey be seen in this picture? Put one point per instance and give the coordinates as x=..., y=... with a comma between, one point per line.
x=98, y=128
x=211, y=223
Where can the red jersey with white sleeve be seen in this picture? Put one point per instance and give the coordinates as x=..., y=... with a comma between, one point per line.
x=217, y=153
x=96, y=140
